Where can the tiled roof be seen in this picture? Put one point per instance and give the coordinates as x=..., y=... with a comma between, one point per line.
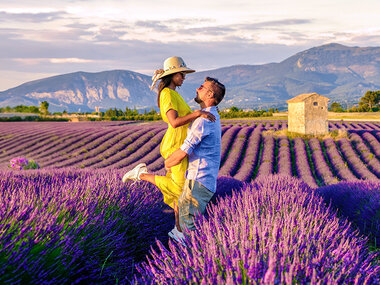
x=303, y=97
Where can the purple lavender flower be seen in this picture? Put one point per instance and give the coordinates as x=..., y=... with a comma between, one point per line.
x=274, y=230
x=358, y=201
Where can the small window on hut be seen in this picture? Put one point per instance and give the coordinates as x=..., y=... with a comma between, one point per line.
x=315, y=103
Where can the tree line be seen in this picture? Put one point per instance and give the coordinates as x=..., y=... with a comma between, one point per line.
x=370, y=102
x=43, y=109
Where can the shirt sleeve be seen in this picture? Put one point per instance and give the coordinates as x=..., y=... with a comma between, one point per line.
x=199, y=129
x=167, y=101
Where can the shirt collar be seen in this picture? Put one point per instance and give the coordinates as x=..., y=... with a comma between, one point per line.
x=209, y=109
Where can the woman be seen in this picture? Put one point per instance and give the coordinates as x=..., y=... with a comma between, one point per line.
x=177, y=114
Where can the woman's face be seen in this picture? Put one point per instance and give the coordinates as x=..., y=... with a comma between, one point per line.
x=178, y=78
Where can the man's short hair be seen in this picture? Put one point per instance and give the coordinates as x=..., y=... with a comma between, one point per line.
x=218, y=88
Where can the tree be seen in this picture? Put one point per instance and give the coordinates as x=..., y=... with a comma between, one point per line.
x=234, y=109
x=336, y=107
x=44, y=107
x=370, y=100
x=130, y=112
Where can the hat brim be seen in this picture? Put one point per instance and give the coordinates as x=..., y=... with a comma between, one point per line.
x=175, y=70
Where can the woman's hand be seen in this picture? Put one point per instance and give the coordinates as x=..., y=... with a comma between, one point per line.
x=207, y=115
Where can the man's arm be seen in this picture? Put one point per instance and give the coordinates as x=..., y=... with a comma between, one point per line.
x=194, y=137
x=175, y=158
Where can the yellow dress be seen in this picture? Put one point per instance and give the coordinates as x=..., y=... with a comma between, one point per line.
x=171, y=185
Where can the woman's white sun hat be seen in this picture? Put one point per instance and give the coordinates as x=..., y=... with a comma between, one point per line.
x=172, y=65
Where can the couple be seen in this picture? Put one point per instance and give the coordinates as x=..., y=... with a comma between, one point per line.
x=191, y=146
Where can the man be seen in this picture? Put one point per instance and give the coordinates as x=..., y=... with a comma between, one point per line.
x=203, y=149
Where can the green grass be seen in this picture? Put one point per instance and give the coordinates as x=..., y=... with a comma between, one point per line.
x=335, y=134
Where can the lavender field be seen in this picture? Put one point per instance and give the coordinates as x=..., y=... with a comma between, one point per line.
x=308, y=210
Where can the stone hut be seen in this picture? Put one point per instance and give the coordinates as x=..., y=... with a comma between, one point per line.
x=307, y=114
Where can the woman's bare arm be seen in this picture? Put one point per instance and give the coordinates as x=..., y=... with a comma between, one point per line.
x=176, y=121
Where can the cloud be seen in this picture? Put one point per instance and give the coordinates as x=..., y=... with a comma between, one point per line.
x=80, y=26
x=371, y=40
x=274, y=24
x=208, y=30
x=108, y=35
x=154, y=25
x=32, y=17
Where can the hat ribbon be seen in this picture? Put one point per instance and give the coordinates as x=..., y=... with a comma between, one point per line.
x=155, y=77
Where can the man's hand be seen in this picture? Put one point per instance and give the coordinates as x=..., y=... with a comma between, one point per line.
x=174, y=159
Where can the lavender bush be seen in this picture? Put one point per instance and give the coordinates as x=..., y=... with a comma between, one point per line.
x=302, y=164
x=360, y=202
x=251, y=157
x=267, y=157
x=275, y=231
x=70, y=226
x=284, y=165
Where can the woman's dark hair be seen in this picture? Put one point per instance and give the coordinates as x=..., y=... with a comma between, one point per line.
x=164, y=82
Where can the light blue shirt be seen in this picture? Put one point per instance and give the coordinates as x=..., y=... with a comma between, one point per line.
x=203, y=145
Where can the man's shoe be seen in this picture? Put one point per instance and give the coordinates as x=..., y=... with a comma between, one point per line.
x=177, y=236
x=134, y=174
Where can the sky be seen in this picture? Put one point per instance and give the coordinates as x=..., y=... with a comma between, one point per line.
x=40, y=38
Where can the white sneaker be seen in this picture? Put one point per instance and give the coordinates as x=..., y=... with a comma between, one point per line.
x=177, y=235
x=134, y=174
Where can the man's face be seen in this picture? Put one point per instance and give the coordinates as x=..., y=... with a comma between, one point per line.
x=203, y=92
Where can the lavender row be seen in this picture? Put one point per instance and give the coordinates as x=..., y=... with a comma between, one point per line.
x=336, y=161
x=18, y=135
x=267, y=158
x=354, y=161
x=322, y=169
x=70, y=149
x=154, y=156
x=107, y=150
x=364, y=152
x=65, y=151
x=255, y=237
x=96, y=147
x=227, y=140
x=284, y=165
x=19, y=144
x=32, y=148
x=138, y=139
x=372, y=142
x=250, y=160
x=235, y=156
x=302, y=163
x=141, y=151
x=44, y=148
x=57, y=152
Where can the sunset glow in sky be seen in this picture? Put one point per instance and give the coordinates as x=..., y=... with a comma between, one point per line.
x=44, y=38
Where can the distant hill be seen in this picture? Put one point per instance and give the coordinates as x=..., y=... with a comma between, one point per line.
x=338, y=72
x=83, y=91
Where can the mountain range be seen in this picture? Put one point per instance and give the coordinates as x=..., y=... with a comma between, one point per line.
x=338, y=72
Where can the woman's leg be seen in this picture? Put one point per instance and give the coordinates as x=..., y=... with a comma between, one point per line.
x=148, y=177
x=171, y=185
